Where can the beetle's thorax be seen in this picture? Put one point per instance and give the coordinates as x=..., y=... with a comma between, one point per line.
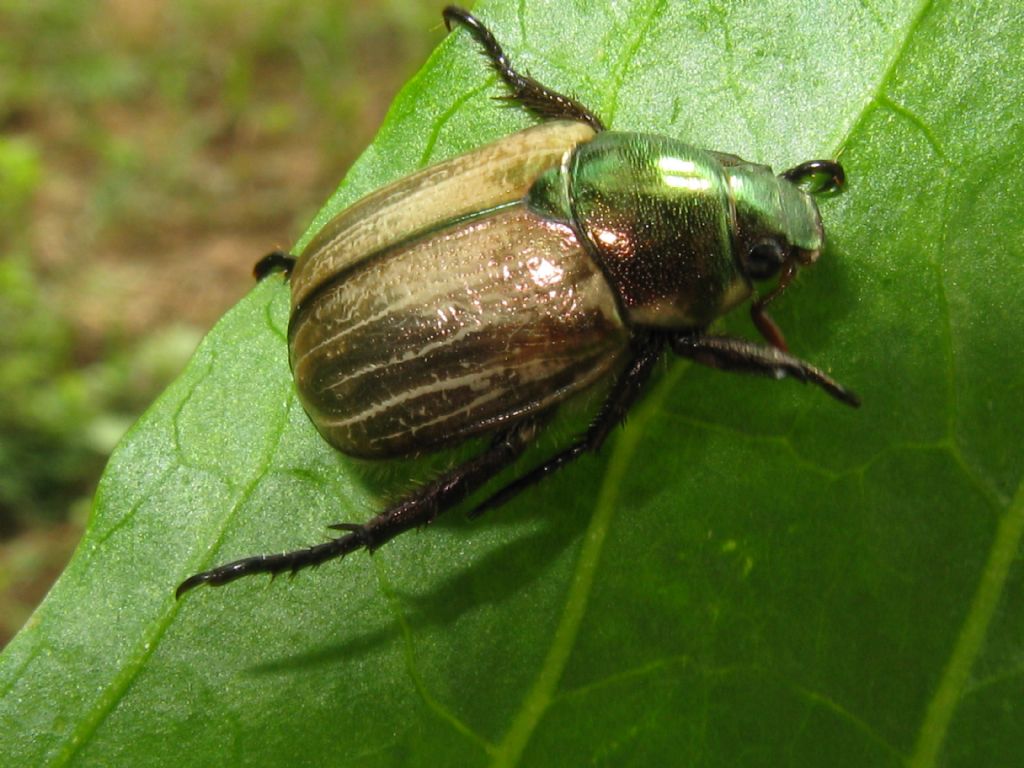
x=656, y=215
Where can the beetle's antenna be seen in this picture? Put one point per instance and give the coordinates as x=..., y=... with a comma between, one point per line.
x=814, y=170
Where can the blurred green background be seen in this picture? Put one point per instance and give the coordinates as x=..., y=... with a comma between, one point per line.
x=150, y=152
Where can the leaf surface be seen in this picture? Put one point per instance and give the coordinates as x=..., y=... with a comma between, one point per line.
x=749, y=574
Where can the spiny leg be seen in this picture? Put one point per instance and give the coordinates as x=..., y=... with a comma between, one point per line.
x=418, y=508
x=731, y=354
x=275, y=261
x=534, y=96
x=624, y=393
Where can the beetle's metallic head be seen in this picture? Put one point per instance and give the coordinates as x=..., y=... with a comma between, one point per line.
x=778, y=225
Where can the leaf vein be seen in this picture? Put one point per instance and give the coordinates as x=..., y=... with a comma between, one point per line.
x=895, y=56
x=650, y=15
x=15, y=674
x=643, y=670
x=820, y=700
x=432, y=703
x=971, y=640
x=435, y=129
x=915, y=120
x=538, y=699
x=150, y=639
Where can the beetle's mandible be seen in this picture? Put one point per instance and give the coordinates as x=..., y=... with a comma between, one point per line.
x=473, y=297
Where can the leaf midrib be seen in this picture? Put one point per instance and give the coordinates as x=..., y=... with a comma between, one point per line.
x=540, y=695
x=971, y=639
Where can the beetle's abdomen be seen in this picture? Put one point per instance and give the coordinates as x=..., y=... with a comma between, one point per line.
x=453, y=334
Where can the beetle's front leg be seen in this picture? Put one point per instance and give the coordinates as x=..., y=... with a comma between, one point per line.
x=732, y=354
x=418, y=508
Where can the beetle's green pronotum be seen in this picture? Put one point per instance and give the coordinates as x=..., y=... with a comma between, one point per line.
x=473, y=297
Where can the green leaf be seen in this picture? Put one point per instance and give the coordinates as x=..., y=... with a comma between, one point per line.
x=749, y=574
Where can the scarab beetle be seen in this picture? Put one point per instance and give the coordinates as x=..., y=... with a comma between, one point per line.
x=473, y=297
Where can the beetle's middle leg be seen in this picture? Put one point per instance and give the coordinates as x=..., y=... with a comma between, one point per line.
x=536, y=97
x=618, y=402
x=731, y=354
x=418, y=508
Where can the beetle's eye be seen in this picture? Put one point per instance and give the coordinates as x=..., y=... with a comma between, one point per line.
x=764, y=260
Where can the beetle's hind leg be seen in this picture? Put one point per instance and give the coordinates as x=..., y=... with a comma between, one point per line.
x=275, y=261
x=536, y=97
x=418, y=508
x=293, y=561
x=620, y=399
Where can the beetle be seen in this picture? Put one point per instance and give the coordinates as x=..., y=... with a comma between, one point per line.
x=473, y=297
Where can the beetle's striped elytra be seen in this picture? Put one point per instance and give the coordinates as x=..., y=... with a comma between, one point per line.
x=475, y=296
x=399, y=360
